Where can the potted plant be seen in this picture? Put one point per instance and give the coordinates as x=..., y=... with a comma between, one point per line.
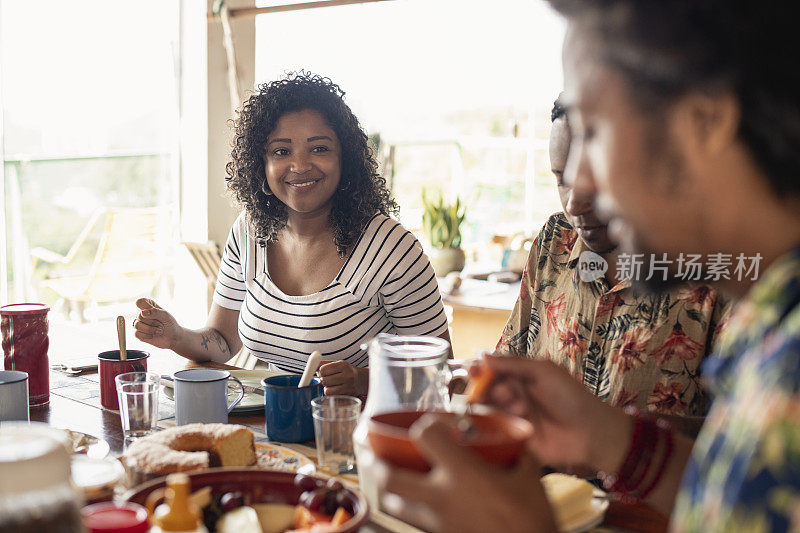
x=441, y=223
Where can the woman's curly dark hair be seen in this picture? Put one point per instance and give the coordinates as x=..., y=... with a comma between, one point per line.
x=362, y=192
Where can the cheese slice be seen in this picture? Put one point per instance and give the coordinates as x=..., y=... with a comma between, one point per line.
x=275, y=517
x=240, y=520
x=569, y=496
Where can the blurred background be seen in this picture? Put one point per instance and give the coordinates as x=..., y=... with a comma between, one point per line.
x=115, y=129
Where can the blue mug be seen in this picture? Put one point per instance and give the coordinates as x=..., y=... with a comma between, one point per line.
x=287, y=408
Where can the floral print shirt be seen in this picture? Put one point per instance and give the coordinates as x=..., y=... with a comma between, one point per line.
x=744, y=472
x=626, y=348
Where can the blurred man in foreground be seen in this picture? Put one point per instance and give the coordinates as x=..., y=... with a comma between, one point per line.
x=686, y=120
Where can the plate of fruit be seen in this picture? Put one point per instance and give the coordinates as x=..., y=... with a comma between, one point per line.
x=260, y=501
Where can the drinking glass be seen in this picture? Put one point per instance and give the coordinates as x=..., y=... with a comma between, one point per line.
x=335, y=419
x=138, y=402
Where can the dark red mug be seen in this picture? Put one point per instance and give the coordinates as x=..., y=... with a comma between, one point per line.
x=25, y=342
x=109, y=367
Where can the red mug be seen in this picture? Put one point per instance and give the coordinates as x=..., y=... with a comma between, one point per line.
x=25, y=344
x=109, y=367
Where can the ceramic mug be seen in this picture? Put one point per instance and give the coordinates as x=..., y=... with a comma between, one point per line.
x=14, y=396
x=109, y=367
x=201, y=395
x=288, y=408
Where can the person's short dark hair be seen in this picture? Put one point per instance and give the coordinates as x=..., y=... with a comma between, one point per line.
x=362, y=192
x=666, y=48
x=558, y=110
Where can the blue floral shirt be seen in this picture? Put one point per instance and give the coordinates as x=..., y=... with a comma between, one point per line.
x=744, y=472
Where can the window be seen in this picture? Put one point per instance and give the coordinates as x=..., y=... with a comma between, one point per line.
x=459, y=92
x=88, y=94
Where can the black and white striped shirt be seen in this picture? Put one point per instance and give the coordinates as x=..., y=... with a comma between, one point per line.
x=386, y=285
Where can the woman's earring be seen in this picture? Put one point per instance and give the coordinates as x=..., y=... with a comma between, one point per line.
x=265, y=188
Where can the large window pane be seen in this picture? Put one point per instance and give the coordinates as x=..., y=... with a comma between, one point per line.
x=89, y=107
x=458, y=90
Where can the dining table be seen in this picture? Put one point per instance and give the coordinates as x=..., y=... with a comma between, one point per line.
x=75, y=405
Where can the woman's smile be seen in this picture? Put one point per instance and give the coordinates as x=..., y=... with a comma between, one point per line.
x=303, y=183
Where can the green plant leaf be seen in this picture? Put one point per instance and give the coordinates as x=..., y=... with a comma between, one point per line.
x=441, y=221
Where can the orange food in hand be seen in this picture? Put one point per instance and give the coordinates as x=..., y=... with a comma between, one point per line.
x=479, y=384
x=340, y=517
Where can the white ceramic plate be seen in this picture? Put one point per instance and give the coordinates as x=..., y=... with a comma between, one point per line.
x=96, y=477
x=88, y=445
x=252, y=402
x=591, y=518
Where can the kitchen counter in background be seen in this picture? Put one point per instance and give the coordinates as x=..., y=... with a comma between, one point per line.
x=478, y=313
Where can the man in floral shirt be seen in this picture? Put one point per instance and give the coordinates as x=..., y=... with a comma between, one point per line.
x=627, y=346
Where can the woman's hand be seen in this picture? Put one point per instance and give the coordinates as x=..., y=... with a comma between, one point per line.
x=218, y=341
x=340, y=377
x=156, y=326
x=571, y=426
x=462, y=492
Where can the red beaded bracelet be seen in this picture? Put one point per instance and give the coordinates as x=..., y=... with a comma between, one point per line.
x=617, y=482
x=649, y=437
x=669, y=443
x=647, y=449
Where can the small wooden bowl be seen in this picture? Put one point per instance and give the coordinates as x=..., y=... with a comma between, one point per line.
x=499, y=439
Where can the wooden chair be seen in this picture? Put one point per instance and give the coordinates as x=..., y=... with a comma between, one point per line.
x=208, y=257
x=129, y=261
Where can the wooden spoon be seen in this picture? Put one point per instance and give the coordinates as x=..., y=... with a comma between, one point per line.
x=123, y=354
x=311, y=366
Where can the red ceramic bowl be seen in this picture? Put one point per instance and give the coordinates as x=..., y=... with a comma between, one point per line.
x=257, y=486
x=499, y=439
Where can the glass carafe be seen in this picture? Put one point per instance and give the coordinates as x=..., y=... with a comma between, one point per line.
x=404, y=373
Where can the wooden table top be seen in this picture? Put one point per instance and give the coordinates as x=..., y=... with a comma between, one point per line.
x=75, y=404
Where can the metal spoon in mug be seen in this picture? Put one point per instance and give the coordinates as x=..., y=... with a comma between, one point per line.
x=311, y=366
x=464, y=422
x=476, y=388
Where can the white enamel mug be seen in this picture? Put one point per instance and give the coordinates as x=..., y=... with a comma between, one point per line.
x=14, y=396
x=201, y=395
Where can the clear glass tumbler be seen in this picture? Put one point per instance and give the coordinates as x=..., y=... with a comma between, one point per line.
x=138, y=402
x=335, y=419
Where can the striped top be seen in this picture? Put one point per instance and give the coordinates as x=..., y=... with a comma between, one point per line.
x=386, y=285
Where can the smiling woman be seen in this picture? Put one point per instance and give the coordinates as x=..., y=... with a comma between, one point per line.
x=267, y=121
x=313, y=262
